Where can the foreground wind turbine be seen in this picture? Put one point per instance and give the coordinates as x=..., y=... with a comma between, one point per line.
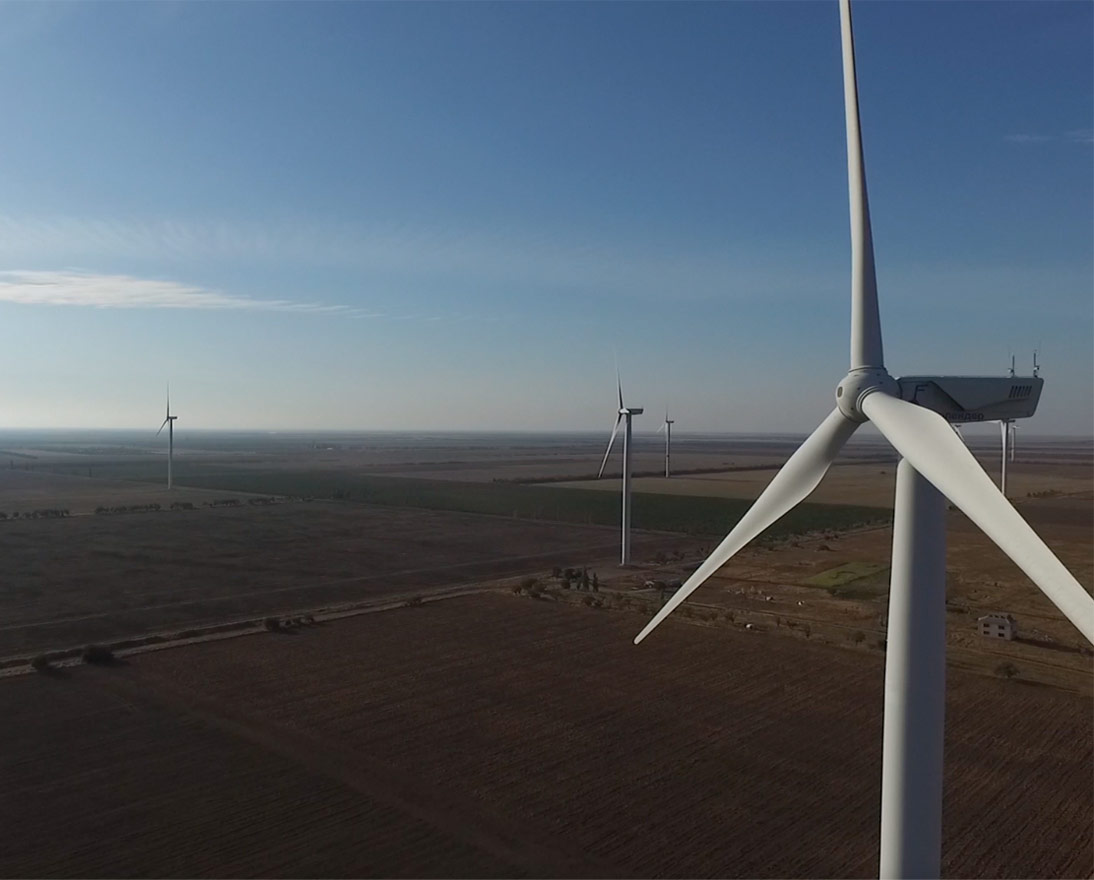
x=666, y=426
x=170, y=423
x=623, y=413
x=912, y=415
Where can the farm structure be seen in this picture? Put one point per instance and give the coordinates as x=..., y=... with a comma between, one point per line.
x=998, y=626
x=526, y=738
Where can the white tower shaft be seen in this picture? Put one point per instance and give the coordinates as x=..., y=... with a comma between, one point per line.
x=170, y=453
x=625, y=556
x=668, y=449
x=915, y=683
x=1004, y=432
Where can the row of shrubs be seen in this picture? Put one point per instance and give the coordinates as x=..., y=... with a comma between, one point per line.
x=103, y=655
x=128, y=508
x=572, y=578
x=44, y=513
x=96, y=655
x=176, y=505
x=280, y=624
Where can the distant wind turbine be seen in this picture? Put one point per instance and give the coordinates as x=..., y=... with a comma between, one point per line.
x=666, y=426
x=1006, y=434
x=1007, y=430
x=170, y=423
x=911, y=413
x=624, y=413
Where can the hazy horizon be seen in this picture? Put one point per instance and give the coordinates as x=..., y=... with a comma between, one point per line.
x=974, y=430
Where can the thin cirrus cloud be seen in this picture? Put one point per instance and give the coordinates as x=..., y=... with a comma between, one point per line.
x=1076, y=136
x=413, y=251
x=70, y=288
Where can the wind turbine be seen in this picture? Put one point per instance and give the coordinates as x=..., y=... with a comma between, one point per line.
x=623, y=413
x=935, y=465
x=1007, y=430
x=170, y=423
x=666, y=426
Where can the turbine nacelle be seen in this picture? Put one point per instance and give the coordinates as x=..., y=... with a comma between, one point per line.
x=631, y=411
x=854, y=387
x=974, y=398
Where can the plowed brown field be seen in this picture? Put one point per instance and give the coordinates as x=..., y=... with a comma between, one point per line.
x=495, y=734
x=71, y=581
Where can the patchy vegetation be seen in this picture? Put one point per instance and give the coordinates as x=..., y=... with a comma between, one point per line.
x=128, y=508
x=97, y=655
x=43, y=513
x=671, y=513
x=41, y=663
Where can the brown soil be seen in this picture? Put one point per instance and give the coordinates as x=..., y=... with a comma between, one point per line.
x=26, y=491
x=770, y=588
x=101, y=578
x=500, y=735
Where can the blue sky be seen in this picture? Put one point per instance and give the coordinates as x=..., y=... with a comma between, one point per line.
x=420, y=216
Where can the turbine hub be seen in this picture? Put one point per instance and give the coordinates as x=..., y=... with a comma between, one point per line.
x=857, y=384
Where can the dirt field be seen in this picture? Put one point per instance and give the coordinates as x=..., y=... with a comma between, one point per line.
x=96, y=578
x=868, y=484
x=27, y=491
x=786, y=587
x=496, y=735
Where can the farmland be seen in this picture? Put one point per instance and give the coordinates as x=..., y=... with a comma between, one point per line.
x=94, y=578
x=659, y=512
x=494, y=734
x=656, y=511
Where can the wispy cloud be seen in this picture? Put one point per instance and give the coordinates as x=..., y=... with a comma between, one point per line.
x=412, y=252
x=68, y=288
x=1027, y=138
x=1075, y=136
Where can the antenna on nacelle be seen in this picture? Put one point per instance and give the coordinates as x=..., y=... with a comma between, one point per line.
x=1036, y=366
x=1012, y=364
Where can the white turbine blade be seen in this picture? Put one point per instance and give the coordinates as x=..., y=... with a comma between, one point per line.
x=865, y=322
x=165, y=421
x=662, y=428
x=619, y=387
x=611, y=440
x=924, y=438
x=791, y=485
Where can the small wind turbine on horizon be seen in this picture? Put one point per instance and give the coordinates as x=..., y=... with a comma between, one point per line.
x=1008, y=429
x=913, y=414
x=666, y=426
x=624, y=413
x=170, y=423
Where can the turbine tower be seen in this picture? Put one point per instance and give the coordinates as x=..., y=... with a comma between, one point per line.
x=623, y=413
x=170, y=423
x=1006, y=427
x=666, y=426
x=935, y=465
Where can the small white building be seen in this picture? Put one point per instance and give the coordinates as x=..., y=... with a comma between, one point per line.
x=998, y=626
